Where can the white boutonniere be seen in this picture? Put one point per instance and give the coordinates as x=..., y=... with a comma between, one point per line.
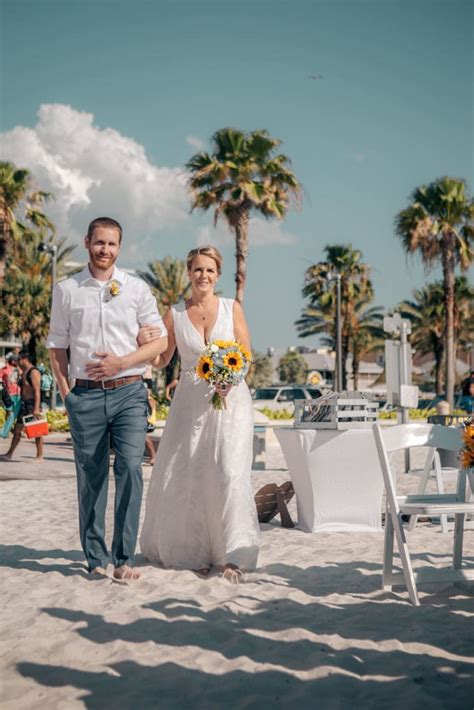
x=113, y=290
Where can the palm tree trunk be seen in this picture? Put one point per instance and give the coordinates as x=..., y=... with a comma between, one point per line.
x=355, y=369
x=241, y=252
x=448, y=279
x=438, y=353
x=4, y=234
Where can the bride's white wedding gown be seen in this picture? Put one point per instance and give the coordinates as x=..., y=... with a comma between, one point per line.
x=200, y=509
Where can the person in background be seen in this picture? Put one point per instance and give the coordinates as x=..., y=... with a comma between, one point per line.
x=46, y=385
x=30, y=404
x=10, y=376
x=466, y=400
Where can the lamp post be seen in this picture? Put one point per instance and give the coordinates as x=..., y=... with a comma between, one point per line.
x=51, y=249
x=336, y=276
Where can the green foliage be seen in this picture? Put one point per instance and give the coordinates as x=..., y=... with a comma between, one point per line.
x=276, y=414
x=292, y=367
x=162, y=411
x=260, y=373
x=168, y=280
x=57, y=420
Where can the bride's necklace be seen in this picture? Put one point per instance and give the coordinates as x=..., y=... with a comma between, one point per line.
x=201, y=310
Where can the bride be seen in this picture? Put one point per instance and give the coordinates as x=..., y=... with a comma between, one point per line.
x=200, y=512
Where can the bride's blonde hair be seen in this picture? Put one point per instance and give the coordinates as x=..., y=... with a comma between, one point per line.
x=205, y=250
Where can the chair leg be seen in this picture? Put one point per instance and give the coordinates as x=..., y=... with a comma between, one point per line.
x=286, y=521
x=458, y=540
x=387, y=552
x=423, y=483
x=406, y=562
x=440, y=486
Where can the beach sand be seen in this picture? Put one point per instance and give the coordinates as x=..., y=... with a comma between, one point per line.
x=311, y=628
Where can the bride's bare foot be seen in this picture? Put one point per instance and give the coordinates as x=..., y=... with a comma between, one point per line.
x=125, y=573
x=233, y=574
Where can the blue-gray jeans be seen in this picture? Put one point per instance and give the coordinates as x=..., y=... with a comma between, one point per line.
x=100, y=418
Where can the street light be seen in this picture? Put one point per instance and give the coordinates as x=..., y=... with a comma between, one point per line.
x=336, y=276
x=48, y=248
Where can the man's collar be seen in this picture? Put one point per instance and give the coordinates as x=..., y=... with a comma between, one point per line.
x=85, y=275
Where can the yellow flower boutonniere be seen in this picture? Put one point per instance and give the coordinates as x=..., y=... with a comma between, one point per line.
x=113, y=290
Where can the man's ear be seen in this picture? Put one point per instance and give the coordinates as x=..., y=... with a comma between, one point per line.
x=86, y=242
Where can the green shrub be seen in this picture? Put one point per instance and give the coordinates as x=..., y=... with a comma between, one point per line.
x=279, y=414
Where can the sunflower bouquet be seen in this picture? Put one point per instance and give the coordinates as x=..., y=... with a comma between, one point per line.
x=467, y=450
x=223, y=362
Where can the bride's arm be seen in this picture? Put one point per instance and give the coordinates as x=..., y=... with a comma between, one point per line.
x=241, y=331
x=149, y=332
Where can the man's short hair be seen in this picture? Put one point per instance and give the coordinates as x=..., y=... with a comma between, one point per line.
x=24, y=354
x=11, y=357
x=104, y=222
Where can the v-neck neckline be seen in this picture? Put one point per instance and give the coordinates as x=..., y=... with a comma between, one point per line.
x=202, y=337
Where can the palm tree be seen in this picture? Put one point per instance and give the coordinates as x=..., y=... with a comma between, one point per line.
x=356, y=287
x=366, y=334
x=244, y=174
x=426, y=313
x=168, y=280
x=27, y=289
x=18, y=204
x=169, y=283
x=438, y=223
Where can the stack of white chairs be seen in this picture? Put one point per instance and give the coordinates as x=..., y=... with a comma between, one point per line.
x=402, y=437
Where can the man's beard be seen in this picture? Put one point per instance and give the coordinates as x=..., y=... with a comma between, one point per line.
x=102, y=265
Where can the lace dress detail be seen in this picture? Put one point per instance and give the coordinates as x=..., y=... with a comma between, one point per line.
x=200, y=509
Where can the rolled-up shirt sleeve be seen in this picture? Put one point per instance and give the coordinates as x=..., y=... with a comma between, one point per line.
x=58, y=336
x=148, y=313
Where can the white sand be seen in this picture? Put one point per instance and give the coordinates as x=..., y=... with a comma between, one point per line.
x=310, y=629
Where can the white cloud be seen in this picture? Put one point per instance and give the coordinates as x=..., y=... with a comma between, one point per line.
x=95, y=171
x=261, y=233
x=195, y=142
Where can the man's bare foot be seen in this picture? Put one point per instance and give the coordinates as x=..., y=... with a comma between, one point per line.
x=233, y=574
x=125, y=572
x=4, y=457
x=98, y=572
x=36, y=460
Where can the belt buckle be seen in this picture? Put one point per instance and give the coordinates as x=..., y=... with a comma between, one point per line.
x=104, y=384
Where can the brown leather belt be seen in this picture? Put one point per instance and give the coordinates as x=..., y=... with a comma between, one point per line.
x=108, y=384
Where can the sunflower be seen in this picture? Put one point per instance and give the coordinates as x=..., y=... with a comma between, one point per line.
x=233, y=360
x=468, y=449
x=223, y=343
x=247, y=355
x=204, y=368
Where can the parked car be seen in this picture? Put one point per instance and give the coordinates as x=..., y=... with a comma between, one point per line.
x=283, y=396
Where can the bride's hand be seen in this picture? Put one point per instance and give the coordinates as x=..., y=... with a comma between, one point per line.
x=147, y=333
x=223, y=388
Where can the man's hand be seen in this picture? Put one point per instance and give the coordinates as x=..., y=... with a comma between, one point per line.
x=37, y=414
x=108, y=366
x=148, y=333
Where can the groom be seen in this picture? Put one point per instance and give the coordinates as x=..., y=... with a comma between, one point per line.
x=97, y=314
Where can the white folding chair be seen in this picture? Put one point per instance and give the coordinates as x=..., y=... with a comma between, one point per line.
x=406, y=436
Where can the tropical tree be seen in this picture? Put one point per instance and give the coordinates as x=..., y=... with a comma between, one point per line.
x=438, y=224
x=244, y=174
x=168, y=280
x=27, y=288
x=292, y=367
x=169, y=283
x=319, y=288
x=260, y=373
x=19, y=206
x=366, y=334
x=426, y=311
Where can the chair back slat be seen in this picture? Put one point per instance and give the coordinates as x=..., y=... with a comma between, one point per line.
x=406, y=436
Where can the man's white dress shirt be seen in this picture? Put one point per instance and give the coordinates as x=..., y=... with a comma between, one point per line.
x=87, y=318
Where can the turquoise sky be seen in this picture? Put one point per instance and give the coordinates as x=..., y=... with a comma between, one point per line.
x=392, y=111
